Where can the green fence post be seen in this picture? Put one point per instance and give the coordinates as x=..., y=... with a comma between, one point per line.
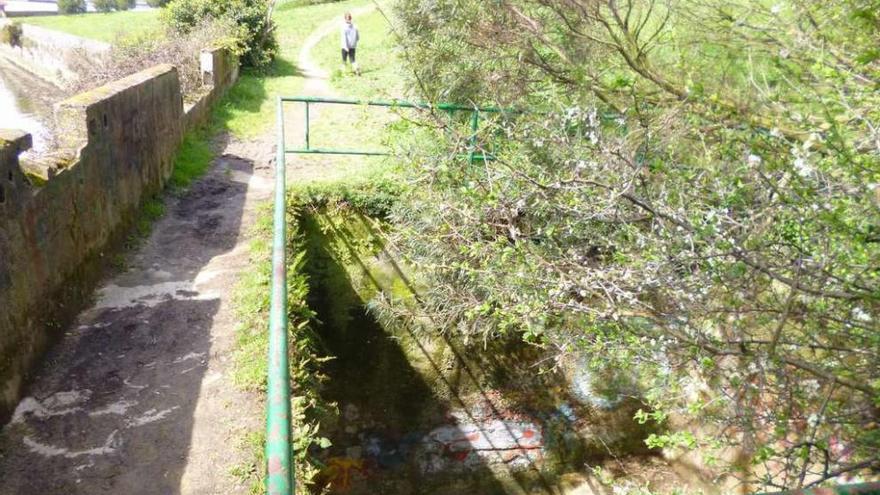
x=475, y=125
x=279, y=470
x=307, y=126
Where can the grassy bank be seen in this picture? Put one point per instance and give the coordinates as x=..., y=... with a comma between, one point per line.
x=249, y=109
x=102, y=27
x=377, y=54
x=361, y=128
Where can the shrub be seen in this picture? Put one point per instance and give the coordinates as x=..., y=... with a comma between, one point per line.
x=10, y=34
x=71, y=6
x=111, y=5
x=157, y=3
x=663, y=213
x=134, y=53
x=255, y=30
x=104, y=5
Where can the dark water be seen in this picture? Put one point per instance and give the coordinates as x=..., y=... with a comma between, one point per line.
x=26, y=103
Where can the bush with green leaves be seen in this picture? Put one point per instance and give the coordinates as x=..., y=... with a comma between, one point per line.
x=71, y=6
x=694, y=197
x=104, y=5
x=157, y=3
x=10, y=34
x=255, y=29
x=111, y=5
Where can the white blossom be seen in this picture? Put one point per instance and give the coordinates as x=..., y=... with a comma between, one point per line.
x=860, y=314
x=802, y=167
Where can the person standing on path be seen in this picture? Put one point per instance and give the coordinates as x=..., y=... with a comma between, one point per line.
x=350, y=38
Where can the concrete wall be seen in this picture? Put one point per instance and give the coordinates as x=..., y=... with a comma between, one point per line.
x=52, y=55
x=122, y=140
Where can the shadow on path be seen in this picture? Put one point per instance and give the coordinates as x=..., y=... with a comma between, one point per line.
x=112, y=409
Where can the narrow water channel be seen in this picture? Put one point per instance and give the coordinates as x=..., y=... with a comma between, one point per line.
x=26, y=103
x=421, y=412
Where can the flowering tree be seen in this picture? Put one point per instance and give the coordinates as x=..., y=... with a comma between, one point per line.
x=693, y=197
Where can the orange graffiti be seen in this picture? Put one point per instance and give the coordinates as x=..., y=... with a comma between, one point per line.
x=339, y=472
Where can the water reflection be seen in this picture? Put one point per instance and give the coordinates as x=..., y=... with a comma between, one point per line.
x=26, y=103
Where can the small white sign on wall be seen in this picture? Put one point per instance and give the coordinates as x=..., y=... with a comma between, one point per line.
x=206, y=60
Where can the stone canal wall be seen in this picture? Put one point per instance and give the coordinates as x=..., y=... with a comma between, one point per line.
x=49, y=54
x=117, y=146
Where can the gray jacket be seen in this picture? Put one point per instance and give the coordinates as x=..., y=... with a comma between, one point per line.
x=350, y=36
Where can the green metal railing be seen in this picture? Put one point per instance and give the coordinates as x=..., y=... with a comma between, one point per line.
x=449, y=108
x=279, y=465
x=279, y=459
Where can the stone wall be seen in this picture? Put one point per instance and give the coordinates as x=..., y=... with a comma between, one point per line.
x=52, y=55
x=219, y=71
x=120, y=141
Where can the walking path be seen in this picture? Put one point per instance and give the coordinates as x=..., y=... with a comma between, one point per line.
x=138, y=398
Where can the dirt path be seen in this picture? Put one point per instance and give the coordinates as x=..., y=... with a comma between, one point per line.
x=138, y=397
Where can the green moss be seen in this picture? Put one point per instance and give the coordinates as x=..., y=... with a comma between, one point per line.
x=34, y=179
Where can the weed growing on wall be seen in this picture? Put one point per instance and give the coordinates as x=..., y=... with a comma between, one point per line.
x=10, y=34
x=252, y=306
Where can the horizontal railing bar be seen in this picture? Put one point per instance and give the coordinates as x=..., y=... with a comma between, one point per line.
x=393, y=103
x=318, y=151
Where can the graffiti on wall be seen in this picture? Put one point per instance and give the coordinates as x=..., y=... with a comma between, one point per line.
x=485, y=436
x=468, y=443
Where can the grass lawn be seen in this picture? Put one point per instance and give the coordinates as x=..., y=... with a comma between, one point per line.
x=248, y=108
x=101, y=27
